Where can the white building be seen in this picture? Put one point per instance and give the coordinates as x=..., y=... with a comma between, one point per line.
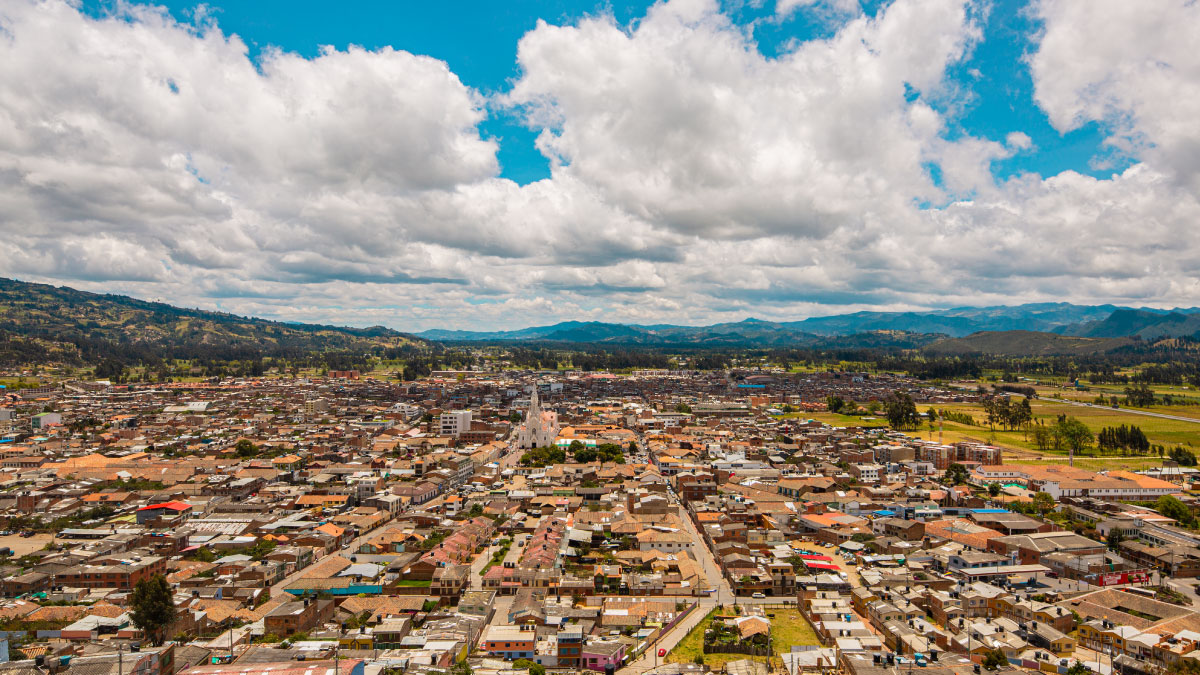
x=540, y=427
x=455, y=422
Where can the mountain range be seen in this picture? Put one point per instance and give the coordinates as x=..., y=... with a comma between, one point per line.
x=1064, y=319
x=39, y=322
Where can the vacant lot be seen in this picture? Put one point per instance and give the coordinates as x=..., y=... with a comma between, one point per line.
x=788, y=628
x=832, y=419
x=25, y=545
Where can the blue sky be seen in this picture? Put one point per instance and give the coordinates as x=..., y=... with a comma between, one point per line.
x=697, y=161
x=479, y=42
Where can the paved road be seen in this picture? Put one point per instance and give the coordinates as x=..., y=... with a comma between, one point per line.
x=1135, y=411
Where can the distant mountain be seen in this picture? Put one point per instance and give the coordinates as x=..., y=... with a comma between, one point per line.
x=48, y=323
x=960, y=321
x=751, y=332
x=1061, y=318
x=1025, y=343
x=1140, y=322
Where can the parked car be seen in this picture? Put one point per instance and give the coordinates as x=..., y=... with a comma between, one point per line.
x=758, y=595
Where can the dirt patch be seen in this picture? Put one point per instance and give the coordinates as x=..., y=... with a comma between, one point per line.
x=25, y=545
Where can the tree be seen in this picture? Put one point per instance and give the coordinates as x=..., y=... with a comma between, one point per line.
x=537, y=669
x=994, y=659
x=683, y=408
x=152, y=607
x=1114, y=538
x=901, y=412
x=246, y=448
x=1078, y=668
x=1139, y=395
x=1073, y=433
x=835, y=403
x=461, y=668
x=1043, y=502
x=956, y=474
x=1183, y=457
x=1041, y=436
x=476, y=511
x=1175, y=510
x=994, y=489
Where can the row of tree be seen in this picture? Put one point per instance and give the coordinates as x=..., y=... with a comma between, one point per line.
x=1066, y=433
x=1007, y=413
x=1123, y=437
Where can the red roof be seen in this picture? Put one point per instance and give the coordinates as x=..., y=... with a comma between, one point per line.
x=819, y=565
x=173, y=506
x=819, y=558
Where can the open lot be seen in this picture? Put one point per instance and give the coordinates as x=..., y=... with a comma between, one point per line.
x=25, y=545
x=832, y=419
x=787, y=625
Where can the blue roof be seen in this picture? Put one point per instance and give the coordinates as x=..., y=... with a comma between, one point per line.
x=752, y=386
x=989, y=510
x=884, y=512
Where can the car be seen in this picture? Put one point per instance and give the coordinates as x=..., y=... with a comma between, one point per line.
x=758, y=595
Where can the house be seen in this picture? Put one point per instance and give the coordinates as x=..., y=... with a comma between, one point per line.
x=600, y=654
x=153, y=512
x=510, y=642
x=298, y=616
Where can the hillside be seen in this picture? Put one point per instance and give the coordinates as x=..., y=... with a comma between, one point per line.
x=1025, y=343
x=1143, y=323
x=46, y=323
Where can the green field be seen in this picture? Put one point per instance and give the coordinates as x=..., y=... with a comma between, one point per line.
x=1167, y=432
x=836, y=420
x=1097, y=463
x=788, y=628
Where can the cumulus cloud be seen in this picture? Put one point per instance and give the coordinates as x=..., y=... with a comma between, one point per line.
x=1130, y=66
x=693, y=178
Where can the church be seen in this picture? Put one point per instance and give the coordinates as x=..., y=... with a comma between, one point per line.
x=540, y=427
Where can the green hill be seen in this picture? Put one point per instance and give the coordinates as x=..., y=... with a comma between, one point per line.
x=1025, y=343
x=43, y=323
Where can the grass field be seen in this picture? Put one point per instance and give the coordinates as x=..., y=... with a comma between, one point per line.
x=836, y=420
x=1161, y=431
x=1096, y=463
x=788, y=628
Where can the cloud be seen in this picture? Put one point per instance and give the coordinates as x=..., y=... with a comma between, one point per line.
x=1132, y=67
x=693, y=178
x=681, y=122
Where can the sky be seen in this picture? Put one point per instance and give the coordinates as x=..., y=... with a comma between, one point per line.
x=499, y=165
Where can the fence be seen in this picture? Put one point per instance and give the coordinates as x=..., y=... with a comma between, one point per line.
x=653, y=638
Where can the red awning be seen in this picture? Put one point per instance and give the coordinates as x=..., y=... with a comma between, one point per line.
x=820, y=565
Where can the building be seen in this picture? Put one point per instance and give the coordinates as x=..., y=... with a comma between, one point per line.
x=153, y=512
x=45, y=420
x=539, y=428
x=454, y=422
x=123, y=573
x=510, y=642
x=298, y=616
